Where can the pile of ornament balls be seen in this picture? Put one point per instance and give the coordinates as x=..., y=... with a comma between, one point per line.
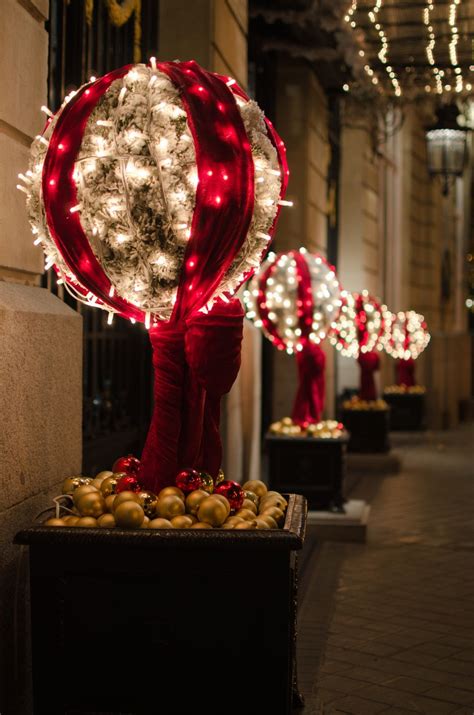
x=116, y=499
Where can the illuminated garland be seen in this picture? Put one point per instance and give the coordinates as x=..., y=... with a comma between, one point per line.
x=274, y=301
x=135, y=178
x=361, y=326
x=408, y=335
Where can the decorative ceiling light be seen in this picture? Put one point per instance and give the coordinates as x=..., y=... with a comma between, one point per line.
x=447, y=149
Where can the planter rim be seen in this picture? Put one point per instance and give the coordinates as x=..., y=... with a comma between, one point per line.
x=290, y=537
x=307, y=438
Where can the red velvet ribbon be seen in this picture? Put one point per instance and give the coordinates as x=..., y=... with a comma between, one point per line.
x=369, y=364
x=309, y=401
x=195, y=362
x=405, y=370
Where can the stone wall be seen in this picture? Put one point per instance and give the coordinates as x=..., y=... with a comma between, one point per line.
x=40, y=348
x=395, y=228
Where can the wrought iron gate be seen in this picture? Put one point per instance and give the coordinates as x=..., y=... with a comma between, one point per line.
x=84, y=40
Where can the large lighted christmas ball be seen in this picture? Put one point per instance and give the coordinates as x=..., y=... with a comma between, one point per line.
x=361, y=326
x=149, y=179
x=408, y=335
x=294, y=298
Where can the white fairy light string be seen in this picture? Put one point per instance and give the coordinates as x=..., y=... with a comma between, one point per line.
x=136, y=181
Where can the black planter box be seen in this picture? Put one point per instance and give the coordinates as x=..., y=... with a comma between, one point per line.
x=407, y=411
x=164, y=621
x=313, y=467
x=368, y=430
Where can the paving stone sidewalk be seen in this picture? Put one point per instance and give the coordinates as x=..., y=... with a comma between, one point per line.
x=388, y=627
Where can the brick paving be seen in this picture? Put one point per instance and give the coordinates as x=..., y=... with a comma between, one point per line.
x=388, y=626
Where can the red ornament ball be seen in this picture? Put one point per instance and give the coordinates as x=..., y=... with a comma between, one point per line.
x=232, y=491
x=128, y=464
x=129, y=483
x=188, y=480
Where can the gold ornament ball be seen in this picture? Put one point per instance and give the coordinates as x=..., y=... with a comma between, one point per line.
x=109, y=502
x=234, y=520
x=160, y=524
x=226, y=525
x=194, y=499
x=146, y=522
x=106, y=521
x=170, y=506
x=124, y=496
x=104, y=474
x=245, y=525
x=87, y=522
x=109, y=485
x=53, y=521
x=148, y=502
x=207, y=482
x=275, y=513
x=212, y=511
x=262, y=524
x=171, y=491
x=83, y=489
x=129, y=515
x=182, y=522
x=270, y=520
x=245, y=514
x=225, y=501
x=91, y=504
x=201, y=525
x=256, y=486
x=267, y=502
x=250, y=495
x=99, y=478
x=70, y=484
x=249, y=505
x=70, y=520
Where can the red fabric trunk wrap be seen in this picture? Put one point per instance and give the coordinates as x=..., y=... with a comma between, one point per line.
x=311, y=360
x=405, y=370
x=369, y=364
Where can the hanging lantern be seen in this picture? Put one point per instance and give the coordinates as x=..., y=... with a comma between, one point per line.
x=408, y=336
x=154, y=193
x=294, y=298
x=446, y=145
x=360, y=332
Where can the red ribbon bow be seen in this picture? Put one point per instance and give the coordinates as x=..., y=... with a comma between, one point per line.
x=369, y=364
x=195, y=363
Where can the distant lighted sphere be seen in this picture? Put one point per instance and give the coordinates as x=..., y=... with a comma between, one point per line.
x=361, y=326
x=294, y=298
x=408, y=335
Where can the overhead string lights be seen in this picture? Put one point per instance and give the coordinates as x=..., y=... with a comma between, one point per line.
x=453, y=54
x=374, y=18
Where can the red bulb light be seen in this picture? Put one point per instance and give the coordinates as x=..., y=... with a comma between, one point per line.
x=52, y=182
x=218, y=200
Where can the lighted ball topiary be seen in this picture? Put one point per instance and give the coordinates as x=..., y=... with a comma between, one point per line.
x=294, y=298
x=154, y=193
x=407, y=337
x=360, y=332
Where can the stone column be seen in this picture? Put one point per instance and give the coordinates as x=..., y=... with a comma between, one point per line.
x=40, y=347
